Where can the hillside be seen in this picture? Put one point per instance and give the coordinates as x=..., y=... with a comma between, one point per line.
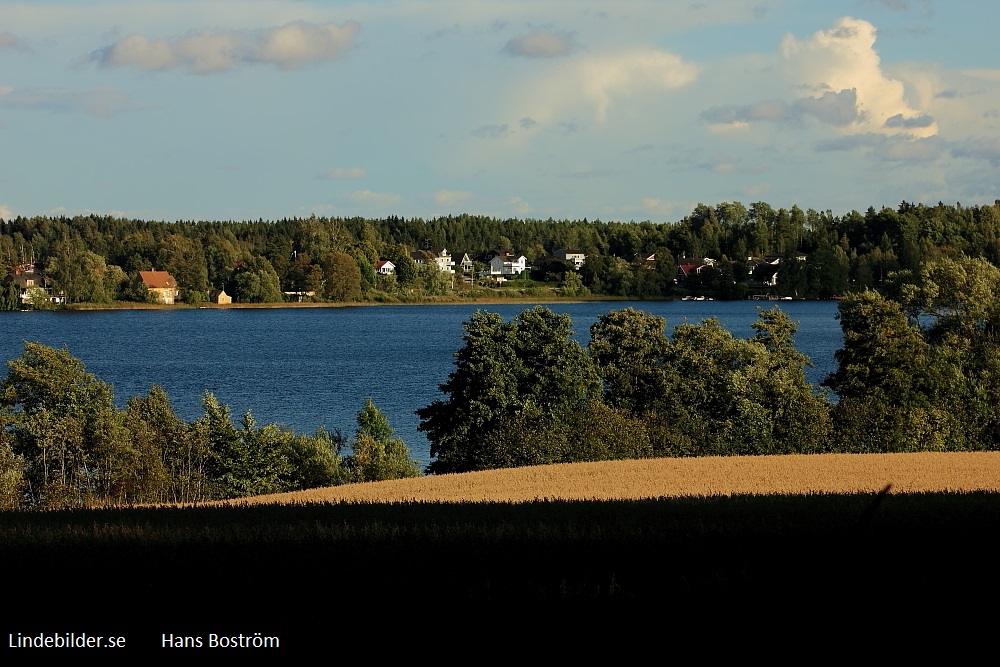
x=693, y=477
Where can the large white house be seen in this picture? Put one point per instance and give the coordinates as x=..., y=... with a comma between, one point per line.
x=571, y=255
x=440, y=256
x=507, y=264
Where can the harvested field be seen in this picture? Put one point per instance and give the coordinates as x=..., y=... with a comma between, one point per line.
x=687, y=477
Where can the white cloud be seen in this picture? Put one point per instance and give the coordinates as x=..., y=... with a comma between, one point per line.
x=338, y=173
x=603, y=79
x=838, y=109
x=540, y=44
x=5, y=212
x=209, y=51
x=518, y=206
x=451, y=197
x=372, y=198
x=844, y=58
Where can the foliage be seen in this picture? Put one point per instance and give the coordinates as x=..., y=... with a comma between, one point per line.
x=918, y=370
x=704, y=391
x=10, y=299
x=255, y=282
x=62, y=422
x=64, y=444
x=507, y=374
x=342, y=277
x=376, y=454
x=11, y=475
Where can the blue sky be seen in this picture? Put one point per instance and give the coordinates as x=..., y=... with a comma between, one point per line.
x=631, y=110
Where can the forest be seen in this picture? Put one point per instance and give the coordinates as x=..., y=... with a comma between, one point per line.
x=96, y=259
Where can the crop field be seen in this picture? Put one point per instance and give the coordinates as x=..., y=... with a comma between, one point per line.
x=821, y=530
x=672, y=478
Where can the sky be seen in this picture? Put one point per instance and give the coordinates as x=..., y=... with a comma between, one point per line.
x=630, y=110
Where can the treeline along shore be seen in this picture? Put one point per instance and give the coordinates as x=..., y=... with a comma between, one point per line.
x=724, y=251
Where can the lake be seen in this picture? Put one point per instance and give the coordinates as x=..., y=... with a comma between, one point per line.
x=312, y=367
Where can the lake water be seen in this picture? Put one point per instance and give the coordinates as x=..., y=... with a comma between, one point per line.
x=311, y=367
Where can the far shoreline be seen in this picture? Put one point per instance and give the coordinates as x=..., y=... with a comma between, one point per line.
x=439, y=301
x=125, y=305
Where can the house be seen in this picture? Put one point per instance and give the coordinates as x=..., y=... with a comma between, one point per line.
x=508, y=264
x=32, y=287
x=766, y=274
x=439, y=256
x=385, y=267
x=571, y=255
x=465, y=264
x=219, y=296
x=689, y=268
x=646, y=260
x=161, y=285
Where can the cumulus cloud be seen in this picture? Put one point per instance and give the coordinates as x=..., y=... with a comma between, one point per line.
x=844, y=58
x=338, y=173
x=208, y=51
x=5, y=213
x=899, y=148
x=898, y=120
x=603, y=79
x=100, y=102
x=540, y=44
x=450, y=197
x=837, y=109
x=527, y=123
x=518, y=206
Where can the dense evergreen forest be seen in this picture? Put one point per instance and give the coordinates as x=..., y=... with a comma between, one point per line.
x=96, y=259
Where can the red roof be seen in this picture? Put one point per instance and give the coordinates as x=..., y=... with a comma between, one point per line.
x=157, y=279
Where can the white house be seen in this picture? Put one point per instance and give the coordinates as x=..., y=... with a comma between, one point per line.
x=574, y=257
x=385, y=267
x=441, y=257
x=507, y=264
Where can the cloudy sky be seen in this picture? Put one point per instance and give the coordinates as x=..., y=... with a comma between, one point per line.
x=625, y=110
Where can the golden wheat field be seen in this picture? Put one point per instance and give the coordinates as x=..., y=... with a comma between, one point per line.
x=665, y=478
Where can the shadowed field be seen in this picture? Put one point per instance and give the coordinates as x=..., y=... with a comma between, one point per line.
x=797, y=532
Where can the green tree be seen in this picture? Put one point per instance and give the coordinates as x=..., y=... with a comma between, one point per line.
x=342, y=277
x=884, y=380
x=256, y=282
x=315, y=460
x=506, y=374
x=628, y=348
x=62, y=423
x=376, y=454
x=248, y=461
x=12, y=481
x=10, y=298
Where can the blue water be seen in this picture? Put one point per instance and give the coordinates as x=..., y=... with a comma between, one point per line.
x=314, y=367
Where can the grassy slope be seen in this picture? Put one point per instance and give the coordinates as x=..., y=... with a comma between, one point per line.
x=661, y=478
